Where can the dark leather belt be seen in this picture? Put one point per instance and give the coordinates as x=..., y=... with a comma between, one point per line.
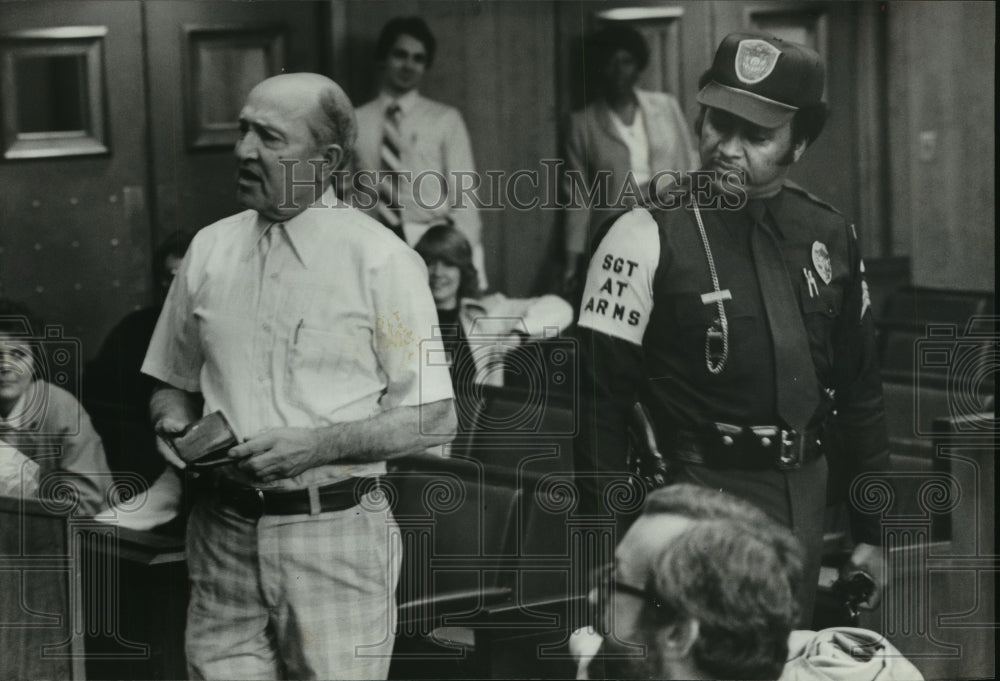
x=747, y=447
x=253, y=502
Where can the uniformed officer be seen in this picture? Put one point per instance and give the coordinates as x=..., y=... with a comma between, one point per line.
x=739, y=316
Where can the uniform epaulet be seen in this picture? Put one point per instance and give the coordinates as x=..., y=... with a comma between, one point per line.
x=812, y=197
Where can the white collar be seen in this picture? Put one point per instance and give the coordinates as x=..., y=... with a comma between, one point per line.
x=406, y=102
x=302, y=231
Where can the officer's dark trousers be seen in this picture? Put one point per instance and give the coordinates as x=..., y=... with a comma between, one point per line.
x=796, y=499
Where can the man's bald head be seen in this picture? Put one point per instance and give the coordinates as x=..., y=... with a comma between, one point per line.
x=332, y=119
x=296, y=129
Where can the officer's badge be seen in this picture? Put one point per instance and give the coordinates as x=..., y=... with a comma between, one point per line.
x=821, y=261
x=755, y=59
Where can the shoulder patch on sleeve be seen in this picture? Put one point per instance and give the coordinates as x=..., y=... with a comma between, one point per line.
x=618, y=295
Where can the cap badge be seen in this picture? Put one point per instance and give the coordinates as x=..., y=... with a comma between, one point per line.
x=755, y=60
x=821, y=261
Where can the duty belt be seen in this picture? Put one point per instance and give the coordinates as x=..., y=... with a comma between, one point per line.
x=254, y=502
x=746, y=447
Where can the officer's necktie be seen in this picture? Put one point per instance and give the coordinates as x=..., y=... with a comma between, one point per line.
x=389, y=211
x=795, y=373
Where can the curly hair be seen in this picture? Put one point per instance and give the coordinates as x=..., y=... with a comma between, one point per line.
x=447, y=244
x=738, y=580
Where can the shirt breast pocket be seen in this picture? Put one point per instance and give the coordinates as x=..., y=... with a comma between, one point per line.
x=820, y=314
x=324, y=369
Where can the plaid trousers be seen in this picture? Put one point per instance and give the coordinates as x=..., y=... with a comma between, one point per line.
x=296, y=596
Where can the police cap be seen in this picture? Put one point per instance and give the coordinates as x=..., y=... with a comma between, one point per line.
x=763, y=79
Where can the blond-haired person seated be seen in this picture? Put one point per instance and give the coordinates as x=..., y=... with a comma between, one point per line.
x=478, y=330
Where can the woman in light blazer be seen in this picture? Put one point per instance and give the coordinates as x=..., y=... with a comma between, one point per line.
x=625, y=131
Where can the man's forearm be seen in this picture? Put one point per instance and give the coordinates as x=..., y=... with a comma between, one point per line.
x=397, y=432
x=168, y=402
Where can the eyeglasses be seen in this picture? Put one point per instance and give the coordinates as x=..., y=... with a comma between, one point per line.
x=612, y=598
x=605, y=580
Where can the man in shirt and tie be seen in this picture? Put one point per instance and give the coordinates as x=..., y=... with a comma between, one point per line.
x=740, y=317
x=402, y=131
x=301, y=320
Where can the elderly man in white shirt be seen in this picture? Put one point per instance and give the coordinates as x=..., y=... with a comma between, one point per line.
x=301, y=320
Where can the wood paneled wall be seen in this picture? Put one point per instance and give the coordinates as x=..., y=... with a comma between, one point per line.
x=917, y=172
x=941, y=74
x=912, y=145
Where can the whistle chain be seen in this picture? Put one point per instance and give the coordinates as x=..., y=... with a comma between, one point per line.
x=714, y=367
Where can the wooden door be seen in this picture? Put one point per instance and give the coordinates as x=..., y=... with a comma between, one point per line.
x=74, y=226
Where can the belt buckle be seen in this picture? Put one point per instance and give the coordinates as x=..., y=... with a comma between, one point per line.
x=790, y=457
x=255, y=505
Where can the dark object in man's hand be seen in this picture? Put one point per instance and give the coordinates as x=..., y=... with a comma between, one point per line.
x=854, y=589
x=205, y=442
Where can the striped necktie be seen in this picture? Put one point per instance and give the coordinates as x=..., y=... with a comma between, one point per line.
x=390, y=213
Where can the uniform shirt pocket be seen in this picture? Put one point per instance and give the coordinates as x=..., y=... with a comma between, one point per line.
x=821, y=311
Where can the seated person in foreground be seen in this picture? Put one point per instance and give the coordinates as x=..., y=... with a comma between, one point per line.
x=465, y=314
x=48, y=447
x=703, y=587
